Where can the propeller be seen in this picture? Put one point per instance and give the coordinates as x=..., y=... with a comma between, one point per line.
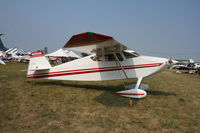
x=170, y=61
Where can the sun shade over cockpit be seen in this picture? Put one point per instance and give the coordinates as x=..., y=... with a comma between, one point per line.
x=90, y=42
x=86, y=38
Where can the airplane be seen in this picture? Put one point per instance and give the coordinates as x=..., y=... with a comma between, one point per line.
x=108, y=60
x=185, y=66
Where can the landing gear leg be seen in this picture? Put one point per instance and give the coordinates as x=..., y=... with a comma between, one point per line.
x=134, y=92
x=138, y=83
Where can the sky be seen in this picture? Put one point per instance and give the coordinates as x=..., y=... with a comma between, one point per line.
x=163, y=28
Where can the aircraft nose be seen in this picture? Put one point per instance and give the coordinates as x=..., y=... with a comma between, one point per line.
x=170, y=61
x=167, y=63
x=163, y=60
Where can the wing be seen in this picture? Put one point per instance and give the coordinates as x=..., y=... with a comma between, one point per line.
x=90, y=42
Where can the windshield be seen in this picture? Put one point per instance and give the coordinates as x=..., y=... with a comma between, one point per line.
x=130, y=54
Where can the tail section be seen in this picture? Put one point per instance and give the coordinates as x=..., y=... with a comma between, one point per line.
x=37, y=62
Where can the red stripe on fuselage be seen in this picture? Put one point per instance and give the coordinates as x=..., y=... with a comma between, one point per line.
x=90, y=70
x=136, y=66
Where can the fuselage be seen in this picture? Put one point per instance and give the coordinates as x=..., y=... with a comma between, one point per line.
x=93, y=68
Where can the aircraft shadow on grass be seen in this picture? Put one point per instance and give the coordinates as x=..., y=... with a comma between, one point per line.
x=111, y=99
x=108, y=97
x=162, y=93
x=90, y=85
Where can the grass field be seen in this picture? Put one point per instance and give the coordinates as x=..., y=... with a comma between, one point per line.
x=41, y=106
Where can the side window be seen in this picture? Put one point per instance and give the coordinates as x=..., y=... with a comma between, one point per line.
x=96, y=58
x=130, y=55
x=119, y=56
x=109, y=57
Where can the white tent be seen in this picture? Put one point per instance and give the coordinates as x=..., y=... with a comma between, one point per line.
x=16, y=52
x=63, y=53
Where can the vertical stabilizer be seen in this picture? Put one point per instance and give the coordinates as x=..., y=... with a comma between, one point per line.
x=38, y=61
x=2, y=47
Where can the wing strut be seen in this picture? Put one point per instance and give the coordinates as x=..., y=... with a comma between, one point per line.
x=117, y=62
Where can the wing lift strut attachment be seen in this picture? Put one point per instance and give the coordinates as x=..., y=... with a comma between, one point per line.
x=135, y=91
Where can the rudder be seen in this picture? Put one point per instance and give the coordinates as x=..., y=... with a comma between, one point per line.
x=38, y=62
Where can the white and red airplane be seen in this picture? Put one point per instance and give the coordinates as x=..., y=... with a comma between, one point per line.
x=109, y=60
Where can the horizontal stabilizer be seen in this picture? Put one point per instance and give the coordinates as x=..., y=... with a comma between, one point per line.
x=133, y=93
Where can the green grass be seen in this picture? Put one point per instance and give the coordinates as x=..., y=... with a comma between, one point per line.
x=30, y=106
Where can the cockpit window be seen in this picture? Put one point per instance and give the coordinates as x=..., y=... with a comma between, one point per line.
x=130, y=54
x=96, y=58
x=111, y=57
x=108, y=57
x=119, y=56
